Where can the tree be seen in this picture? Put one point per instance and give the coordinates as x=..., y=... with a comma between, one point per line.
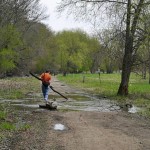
x=70, y=50
x=77, y=51
x=133, y=12
x=112, y=55
x=21, y=13
x=10, y=40
x=16, y=18
x=7, y=57
x=40, y=45
x=144, y=53
x=131, y=28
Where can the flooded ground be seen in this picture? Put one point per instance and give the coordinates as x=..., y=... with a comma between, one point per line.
x=77, y=102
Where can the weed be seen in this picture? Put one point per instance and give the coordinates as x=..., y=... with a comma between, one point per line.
x=7, y=126
x=2, y=115
x=24, y=127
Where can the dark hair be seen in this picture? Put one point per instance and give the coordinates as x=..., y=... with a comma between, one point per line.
x=47, y=71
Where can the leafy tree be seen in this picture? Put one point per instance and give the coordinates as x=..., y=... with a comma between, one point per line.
x=7, y=58
x=77, y=51
x=21, y=13
x=39, y=43
x=16, y=18
x=10, y=40
x=9, y=37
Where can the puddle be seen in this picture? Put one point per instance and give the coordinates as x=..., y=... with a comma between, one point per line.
x=79, y=101
x=59, y=127
x=94, y=104
x=12, y=101
x=27, y=105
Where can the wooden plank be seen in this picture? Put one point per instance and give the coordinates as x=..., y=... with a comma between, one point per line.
x=48, y=106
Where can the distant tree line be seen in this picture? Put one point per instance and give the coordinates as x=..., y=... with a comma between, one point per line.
x=16, y=19
x=26, y=44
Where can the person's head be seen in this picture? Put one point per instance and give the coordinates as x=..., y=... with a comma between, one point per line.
x=47, y=71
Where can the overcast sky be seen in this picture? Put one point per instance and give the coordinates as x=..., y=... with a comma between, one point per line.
x=60, y=23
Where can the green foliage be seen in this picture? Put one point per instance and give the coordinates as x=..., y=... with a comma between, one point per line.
x=77, y=50
x=145, y=113
x=9, y=37
x=24, y=127
x=7, y=126
x=2, y=115
x=42, y=50
x=7, y=58
x=9, y=42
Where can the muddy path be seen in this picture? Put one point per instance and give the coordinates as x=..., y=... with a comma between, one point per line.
x=82, y=125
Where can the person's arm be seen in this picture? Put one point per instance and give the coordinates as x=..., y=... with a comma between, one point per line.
x=42, y=76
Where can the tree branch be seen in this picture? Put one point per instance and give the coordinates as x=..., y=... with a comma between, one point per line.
x=101, y=1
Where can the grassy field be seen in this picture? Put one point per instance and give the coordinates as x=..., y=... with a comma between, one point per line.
x=17, y=87
x=106, y=85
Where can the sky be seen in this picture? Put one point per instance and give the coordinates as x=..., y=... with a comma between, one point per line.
x=57, y=23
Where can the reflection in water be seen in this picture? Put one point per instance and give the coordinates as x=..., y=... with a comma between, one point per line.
x=77, y=101
x=27, y=105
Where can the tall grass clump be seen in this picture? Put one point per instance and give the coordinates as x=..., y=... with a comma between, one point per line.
x=17, y=87
x=7, y=126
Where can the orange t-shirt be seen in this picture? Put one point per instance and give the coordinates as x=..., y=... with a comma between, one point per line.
x=45, y=77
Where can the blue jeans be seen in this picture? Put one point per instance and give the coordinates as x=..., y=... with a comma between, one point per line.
x=45, y=91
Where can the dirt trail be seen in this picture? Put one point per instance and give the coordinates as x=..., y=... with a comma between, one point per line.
x=84, y=130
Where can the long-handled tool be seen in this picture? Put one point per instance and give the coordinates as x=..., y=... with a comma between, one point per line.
x=49, y=86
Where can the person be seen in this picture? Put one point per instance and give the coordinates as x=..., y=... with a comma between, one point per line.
x=46, y=78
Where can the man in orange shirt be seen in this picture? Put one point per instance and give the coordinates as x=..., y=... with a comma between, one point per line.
x=46, y=78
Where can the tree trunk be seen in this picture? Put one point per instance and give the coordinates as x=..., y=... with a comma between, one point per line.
x=127, y=60
x=126, y=70
x=128, y=56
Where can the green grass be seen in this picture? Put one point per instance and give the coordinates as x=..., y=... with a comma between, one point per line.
x=2, y=115
x=107, y=85
x=104, y=85
x=22, y=126
x=7, y=126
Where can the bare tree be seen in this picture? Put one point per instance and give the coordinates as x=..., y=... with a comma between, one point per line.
x=21, y=12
